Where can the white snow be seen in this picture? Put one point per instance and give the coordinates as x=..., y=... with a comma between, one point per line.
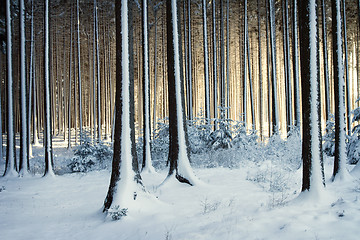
x=231, y=205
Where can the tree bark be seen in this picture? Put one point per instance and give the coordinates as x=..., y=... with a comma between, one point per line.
x=311, y=146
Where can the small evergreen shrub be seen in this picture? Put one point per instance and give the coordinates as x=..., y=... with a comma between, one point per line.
x=329, y=137
x=116, y=213
x=90, y=156
x=353, y=147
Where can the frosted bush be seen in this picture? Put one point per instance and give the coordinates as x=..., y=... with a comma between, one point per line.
x=353, y=148
x=90, y=156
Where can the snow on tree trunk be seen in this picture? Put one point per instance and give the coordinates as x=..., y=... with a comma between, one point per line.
x=79, y=68
x=31, y=81
x=190, y=89
x=260, y=73
x=311, y=147
x=125, y=183
x=325, y=58
x=178, y=151
x=146, y=164
x=24, y=159
x=340, y=171
x=98, y=72
x=10, y=169
x=296, y=66
x=245, y=66
x=70, y=84
x=206, y=65
x=347, y=77
x=215, y=81
x=47, y=127
x=275, y=112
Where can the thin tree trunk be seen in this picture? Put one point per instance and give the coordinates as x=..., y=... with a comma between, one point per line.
x=339, y=92
x=268, y=57
x=70, y=88
x=347, y=78
x=155, y=70
x=79, y=71
x=326, y=68
x=24, y=158
x=275, y=112
x=98, y=73
x=245, y=66
x=215, y=81
x=288, y=95
x=146, y=164
x=10, y=168
x=222, y=57
x=48, y=138
x=260, y=72
x=190, y=88
x=206, y=64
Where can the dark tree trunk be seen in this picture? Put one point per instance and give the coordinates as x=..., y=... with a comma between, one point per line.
x=215, y=81
x=124, y=165
x=178, y=146
x=296, y=66
x=49, y=164
x=310, y=82
x=275, y=112
x=339, y=92
x=326, y=68
x=347, y=77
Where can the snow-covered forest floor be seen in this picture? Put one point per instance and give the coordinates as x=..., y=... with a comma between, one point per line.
x=250, y=191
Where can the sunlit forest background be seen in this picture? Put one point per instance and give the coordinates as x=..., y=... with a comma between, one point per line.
x=97, y=61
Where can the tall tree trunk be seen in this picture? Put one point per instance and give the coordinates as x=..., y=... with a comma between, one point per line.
x=79, y=71
x=296, y=66
x=268, y=57
x=98, y=72
x=245, y=91
x=311, y=146
x=227, y=59
x=288, y=94
x=206, y=64
x=347, y=78
x=155, y=68
x=125, y=180
x=189, y=84
x=260, y=72
x=70, y=83
x=222, y=57
x=326, y=68
x=178, y=147
x=146, y=164
x=24, y=158
x=47, y=126
x=339, y=92
x=10, y=168
x=215, y=81
x=275, y=112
